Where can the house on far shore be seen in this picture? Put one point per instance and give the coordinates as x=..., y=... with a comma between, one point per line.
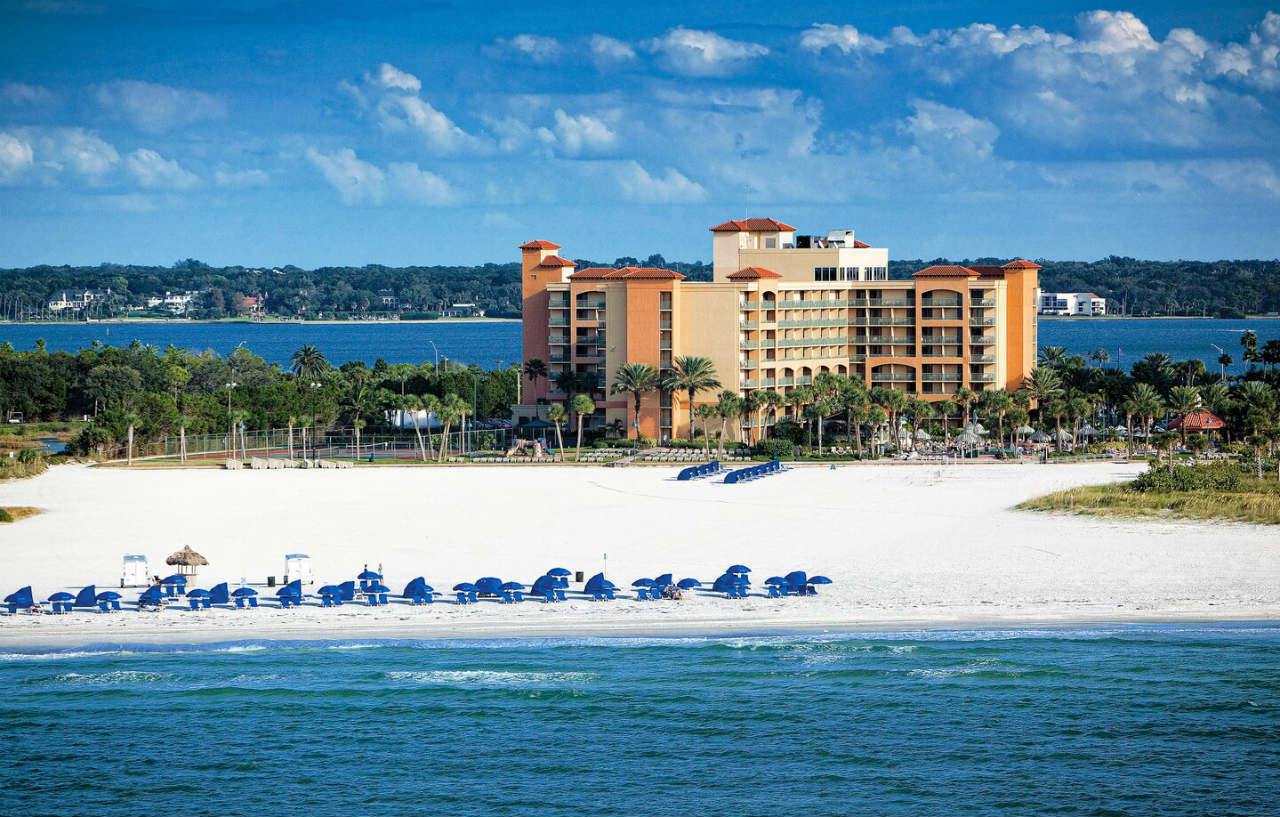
x=1071, y=303
x=76, y=298
x=389, y=299
x=462, y=311
x=175, y=302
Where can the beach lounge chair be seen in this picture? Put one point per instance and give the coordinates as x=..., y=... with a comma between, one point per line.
x=600, y=588
x=245, y=597
x=20, y=599
x=290, y=595
x=108, y=601
x=174, y=585
x=61, y=602
x=467, y=592
x=330, y=596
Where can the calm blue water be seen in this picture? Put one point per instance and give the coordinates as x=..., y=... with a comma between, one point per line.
x=492, y=344
x=1157, y=720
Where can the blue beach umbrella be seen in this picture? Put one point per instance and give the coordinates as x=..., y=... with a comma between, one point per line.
x=197, y=594
x=23, y=597
x=332, y=590
x=108, y=595
x=369, y=575
x=688, y=584
x=218, y=594
x=665, y=580
x=62, y=596
x=489, y=584
x=378, y=588
x=152, y=595
x=348, y=591
x=558, y=572
x=511, y=586
x=416, y=587
x=737, y=569
x=242, y=592
x=642, y=583
x=466, y=587
x=776, y=581
x=819, y=580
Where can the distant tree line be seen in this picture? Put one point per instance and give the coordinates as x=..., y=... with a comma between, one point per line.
x=1131, y=286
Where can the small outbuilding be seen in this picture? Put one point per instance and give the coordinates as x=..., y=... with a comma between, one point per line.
x=186, y=560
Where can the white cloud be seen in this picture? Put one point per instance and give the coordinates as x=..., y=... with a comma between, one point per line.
x=638, y=185
x=241, y=178
x=391, y=77
x=944, y=131
x=15, y=157
x=360, y=182
x=607, y=52
x=845, y=38
x=154, y=108
x=582, y=134
x=534, y=48
x=697, y=53
x=416, y=185
x=21, y=94
x=151, y=170
x=74, y=149
x=1113, y=32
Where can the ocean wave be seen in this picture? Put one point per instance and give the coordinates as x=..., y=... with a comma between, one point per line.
x=109, y=678
x=492, y=679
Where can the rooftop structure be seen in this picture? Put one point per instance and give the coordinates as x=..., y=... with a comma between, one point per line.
x=1071, y=303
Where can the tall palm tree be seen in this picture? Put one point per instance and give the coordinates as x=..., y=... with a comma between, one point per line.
x=706, y=412
x=773, y=402
x=757, y=401
x=557, y=415
x=998, y=403
x=1182, y=401
x=965, y=398
x=452, y=409
x=535, y=368
x=183, y=421
x=410, y=404
x=1052, y=356
x=308, y=362
x=892, y=401
x=1044, y=385
x=636, y=379
x=729, y=405
x=356, y=425
x=430, y=407
x=945, y=409
x=581, y=405
x=1148, y=405
x=876, y=417
x=1100, y=356
x=131, y=420
x=292, y=420
x=692, y=374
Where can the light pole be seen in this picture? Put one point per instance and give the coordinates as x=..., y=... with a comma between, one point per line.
x=1222, y=368
x=231, y=426
x=437, y=351
x=315, y=419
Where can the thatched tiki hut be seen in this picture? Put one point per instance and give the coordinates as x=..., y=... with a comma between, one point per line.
x=186, y=560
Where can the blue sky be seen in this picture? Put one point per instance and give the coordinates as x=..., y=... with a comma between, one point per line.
x=350, y=132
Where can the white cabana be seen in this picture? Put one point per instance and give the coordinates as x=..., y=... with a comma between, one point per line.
x=1024, y=430
x=1041, y=437
x=135, y=572
x=1088, y=431
x=922, y=436
x=297, y=567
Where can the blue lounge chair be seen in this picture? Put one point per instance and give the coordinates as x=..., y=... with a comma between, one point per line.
x=174, y=585
x=467, y=592
x=151, y=598
x=600, y=588
x=108, y=601
x=21, y=599
x=197, y=598
x=245, y=597
x=512, y=592
x=290, y=595
x=643, y=587
x=330, y=595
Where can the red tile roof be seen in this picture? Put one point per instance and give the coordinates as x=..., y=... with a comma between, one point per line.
x=629, y=273
x=1021, y=264
x=753, y=225
x=946, y=271
x=861, y=245
x=1198, y=421
x=539, y=245
x=988, y=270
x=753, y=274
x=556, y=261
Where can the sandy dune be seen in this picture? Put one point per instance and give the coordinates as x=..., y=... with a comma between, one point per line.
x=905, y=544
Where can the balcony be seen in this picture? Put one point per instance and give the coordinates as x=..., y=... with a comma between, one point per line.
x=982, y=358
x=664, y=344
x=982, y=321
x=838, y=340
x=812, y=322
x=982, y=340
x=940, y=340
x=941, y=377
x=561, y=304
x=664, y=323
x=590, y=304
x=744, y=325
x=857, y=358
x=940, y=303
x=555, y=320
x=767, y=382
x=880, y=302
x=748, y=384
x=887, y=340
x=558, y=357
x=885, y=322
x=747, y=364
x=893, y=377
x=982, y=378
x=839, y=304
x=558, y=340
x=982, y=302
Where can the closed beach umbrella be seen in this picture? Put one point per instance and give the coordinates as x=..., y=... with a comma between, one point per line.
x=87, y=597
x=688, y=584
x=218, y=594
x=737, y=569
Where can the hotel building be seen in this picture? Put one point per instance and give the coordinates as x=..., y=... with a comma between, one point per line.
x=780, y=309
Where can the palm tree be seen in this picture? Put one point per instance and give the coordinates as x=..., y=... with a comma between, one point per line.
x=1182, y=401
x=757, y=401
x=729, y=405
x=357, y=424
x=636, y=379
x=1165, y=440
x=692, y=374
x=1100, y=356
x=705, y=413
x=1052, y=356
x=917, y=411
x=1148, y=405
x=893, y=402
x=183, y=422
x=964, y=398
x=876, y=417
x=568, y=381
x=132, y=420
x=452, y=409
x=1056, y=408
x=309, y=363
x=998, y=404
x=557, y=415
x=535, y=368
x=945, y=409
x=581, y=405
x=1043, y=385
x=773, y=402
x=410, y=404
x=430, y=405
x=292, y=420
x=238, y=419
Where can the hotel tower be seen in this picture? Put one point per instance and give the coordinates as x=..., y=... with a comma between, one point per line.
x=780, y=309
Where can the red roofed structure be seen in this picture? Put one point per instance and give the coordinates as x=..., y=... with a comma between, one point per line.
x=946, y=271
x=556, y=261
x=1198, y=421
x=539, y=245
x=753, y=225
x=753, y=274
x=628, y=273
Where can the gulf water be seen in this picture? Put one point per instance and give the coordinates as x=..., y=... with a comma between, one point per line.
x=493, y=344
x=1152, y=720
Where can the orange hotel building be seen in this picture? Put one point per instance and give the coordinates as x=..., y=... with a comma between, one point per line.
x=780, y=309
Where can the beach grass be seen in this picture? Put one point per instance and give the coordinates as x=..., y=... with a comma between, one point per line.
x=1257, y=503
x=16, y=513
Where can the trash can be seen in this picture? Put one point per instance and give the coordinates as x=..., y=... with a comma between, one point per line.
x=577, y=577
x=271, y=581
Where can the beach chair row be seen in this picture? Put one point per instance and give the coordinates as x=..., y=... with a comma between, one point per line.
x=753, y=472
x=709, y=469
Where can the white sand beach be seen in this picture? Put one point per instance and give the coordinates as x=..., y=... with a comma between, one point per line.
x=906, y=545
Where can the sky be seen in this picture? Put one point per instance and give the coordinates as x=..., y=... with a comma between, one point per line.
x=355, y=131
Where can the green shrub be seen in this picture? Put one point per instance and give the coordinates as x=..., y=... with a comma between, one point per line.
x=1216, y=476
x=774, y=447
x=5, y=516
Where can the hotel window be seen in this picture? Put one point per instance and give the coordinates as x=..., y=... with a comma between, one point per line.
x=877, y=273
x=824, y=273
x=771, y=243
